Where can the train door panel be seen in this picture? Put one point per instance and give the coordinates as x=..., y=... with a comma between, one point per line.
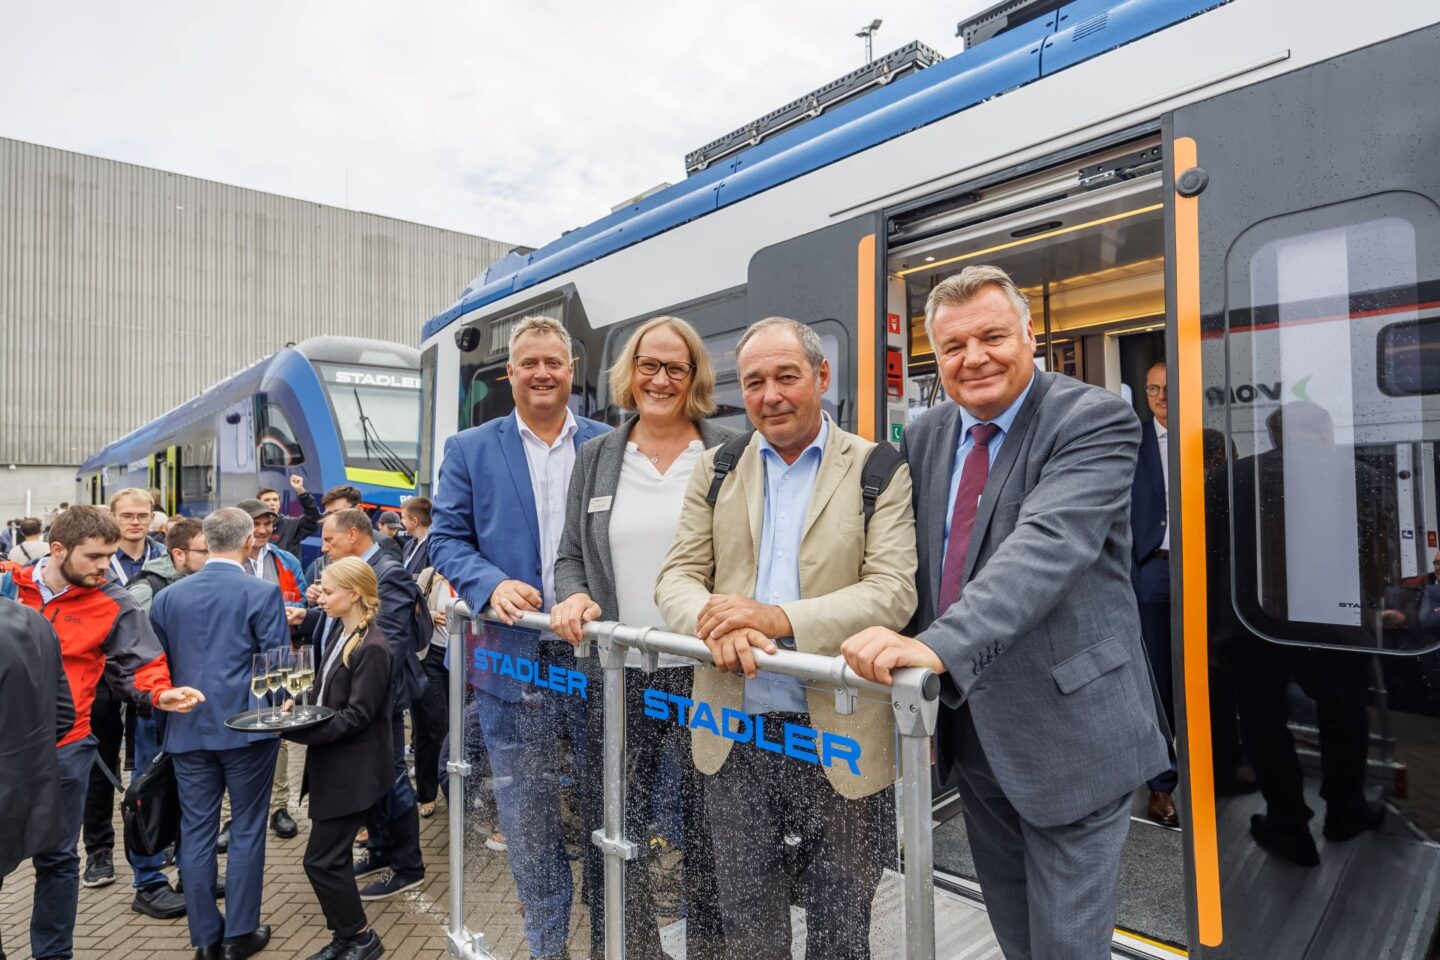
x=830, y=279
x=1304, y=259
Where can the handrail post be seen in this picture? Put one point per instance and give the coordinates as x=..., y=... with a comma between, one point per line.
x=461, y=942
x=915, y=701
x=611, y=839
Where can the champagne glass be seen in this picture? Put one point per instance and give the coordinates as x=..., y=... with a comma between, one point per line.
x=274, y=679
x=259, y=679
x=307, y=673
x=295, y=682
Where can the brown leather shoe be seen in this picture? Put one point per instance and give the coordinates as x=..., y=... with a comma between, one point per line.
x=1162, y=809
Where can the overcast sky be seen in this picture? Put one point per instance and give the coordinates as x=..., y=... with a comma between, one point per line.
x=514, y=121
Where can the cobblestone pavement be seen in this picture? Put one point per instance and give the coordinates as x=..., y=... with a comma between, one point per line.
x=411, y=925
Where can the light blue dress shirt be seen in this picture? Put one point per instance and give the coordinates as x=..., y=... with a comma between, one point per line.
x=967, y=420
x=787, y=502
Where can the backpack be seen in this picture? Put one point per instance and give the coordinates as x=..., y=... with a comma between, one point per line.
x=150, y=808
x=880, y=465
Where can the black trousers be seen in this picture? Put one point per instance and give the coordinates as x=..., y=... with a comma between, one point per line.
x=394, y=822
x=1338, y=682
x=1155, y=631
x=107, y=724
x=754, y=803
x=330, y=867
x=649, y=744
x=429, y=717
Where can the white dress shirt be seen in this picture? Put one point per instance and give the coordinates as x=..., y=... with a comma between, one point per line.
x=1162, y=440
x=550, y=468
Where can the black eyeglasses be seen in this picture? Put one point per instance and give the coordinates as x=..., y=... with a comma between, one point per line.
x=676, y=369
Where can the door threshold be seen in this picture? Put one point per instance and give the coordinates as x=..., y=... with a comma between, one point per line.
x=1125, y=945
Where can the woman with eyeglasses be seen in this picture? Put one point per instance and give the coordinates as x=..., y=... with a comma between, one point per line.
x=625, y=497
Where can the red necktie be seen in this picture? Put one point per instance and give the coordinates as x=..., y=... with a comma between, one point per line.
x=962, y=520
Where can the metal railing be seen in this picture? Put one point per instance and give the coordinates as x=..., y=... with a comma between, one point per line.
x=913, y=698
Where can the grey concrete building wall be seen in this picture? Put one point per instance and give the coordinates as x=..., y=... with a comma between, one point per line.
x=126, y=290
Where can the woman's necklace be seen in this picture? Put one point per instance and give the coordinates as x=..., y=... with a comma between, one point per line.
x=663, y=447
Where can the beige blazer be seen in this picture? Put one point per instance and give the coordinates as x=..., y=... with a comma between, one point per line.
x=849, y=580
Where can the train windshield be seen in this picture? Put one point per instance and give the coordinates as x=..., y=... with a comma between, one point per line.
x=377, y=410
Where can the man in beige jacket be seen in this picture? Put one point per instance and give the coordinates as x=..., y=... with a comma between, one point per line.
x=785, y=558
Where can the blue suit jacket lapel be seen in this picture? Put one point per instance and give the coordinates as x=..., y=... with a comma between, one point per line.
x=513, y=448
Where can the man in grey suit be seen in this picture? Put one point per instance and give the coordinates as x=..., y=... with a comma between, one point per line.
x=1022, y=501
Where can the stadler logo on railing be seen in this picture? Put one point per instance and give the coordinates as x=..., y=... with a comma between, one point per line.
x=794, y=740
x=797, y=741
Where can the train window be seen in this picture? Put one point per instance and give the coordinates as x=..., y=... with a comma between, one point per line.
x=278, y=447
x=1334, y=481
x=730, y=404
x=1408, y=358
x=197, y=470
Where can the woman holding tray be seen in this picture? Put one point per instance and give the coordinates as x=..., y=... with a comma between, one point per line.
x=349, y=765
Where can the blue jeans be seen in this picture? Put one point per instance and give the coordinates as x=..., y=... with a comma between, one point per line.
x=57, y=871
x=204, y=776
x=521, y=738
x=146, y=869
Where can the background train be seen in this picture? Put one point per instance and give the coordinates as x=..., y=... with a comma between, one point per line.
x=1246, y=189
x=335, y=410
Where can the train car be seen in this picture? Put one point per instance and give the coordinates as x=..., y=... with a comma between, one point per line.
x=334, y=410
x=1247, y=189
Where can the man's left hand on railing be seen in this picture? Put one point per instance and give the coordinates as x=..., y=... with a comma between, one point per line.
x=727, y=612
x=735, y=651
x=875, y=651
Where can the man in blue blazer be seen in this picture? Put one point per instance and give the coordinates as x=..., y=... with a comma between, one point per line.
x=1150, y=567
x=211, y=624
x=499, y=513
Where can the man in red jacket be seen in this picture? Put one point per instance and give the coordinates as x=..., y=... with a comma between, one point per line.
x=102, y=632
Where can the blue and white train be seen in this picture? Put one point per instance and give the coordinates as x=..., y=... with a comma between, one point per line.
x=1249, y=189
x=334, y=410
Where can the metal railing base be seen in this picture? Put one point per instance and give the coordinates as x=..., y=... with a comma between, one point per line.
x=468, y=946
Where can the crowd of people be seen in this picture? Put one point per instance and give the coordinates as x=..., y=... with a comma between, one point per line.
x=998, y=549
x=147, y=634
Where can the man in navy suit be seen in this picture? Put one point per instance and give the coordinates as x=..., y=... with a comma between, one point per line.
x=1150, y=567
x=394, y=824
x=211, y=624
x=499, y=513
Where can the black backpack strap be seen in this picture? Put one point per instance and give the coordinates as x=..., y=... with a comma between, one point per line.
x=880, y=465
x=725, y=461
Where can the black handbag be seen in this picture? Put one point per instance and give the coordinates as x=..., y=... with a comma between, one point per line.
x=150, y=808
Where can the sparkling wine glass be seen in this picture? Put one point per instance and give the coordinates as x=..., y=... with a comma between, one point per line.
x=276, y=670
x=298, y=681
x=259, y=679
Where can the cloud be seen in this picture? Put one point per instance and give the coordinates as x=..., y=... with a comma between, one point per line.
x=512, y=121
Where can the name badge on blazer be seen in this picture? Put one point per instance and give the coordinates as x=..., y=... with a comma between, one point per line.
x=599, y=504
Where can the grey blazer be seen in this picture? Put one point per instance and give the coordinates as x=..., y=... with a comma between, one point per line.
x=1044, y=643
x=582, y=564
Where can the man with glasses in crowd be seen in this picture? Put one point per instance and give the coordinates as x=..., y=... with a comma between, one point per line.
x=132, y=509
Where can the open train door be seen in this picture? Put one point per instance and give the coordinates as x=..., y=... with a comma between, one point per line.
x=1304, y=288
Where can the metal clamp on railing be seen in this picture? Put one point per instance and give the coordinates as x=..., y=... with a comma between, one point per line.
x=914, y=699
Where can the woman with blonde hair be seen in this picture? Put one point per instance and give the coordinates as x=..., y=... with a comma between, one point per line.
x=349, y=765
x=639, y=473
